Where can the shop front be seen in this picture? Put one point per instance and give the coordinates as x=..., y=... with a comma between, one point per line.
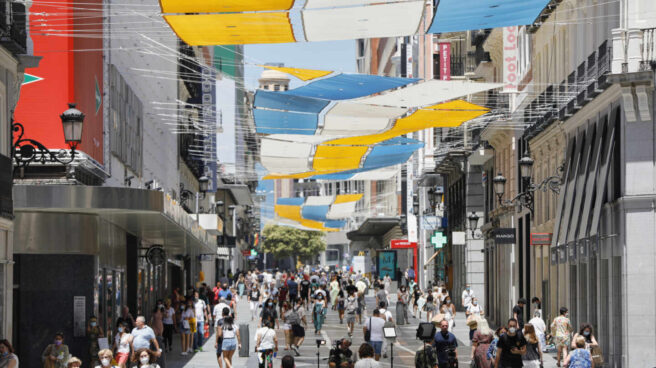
x=88, y=251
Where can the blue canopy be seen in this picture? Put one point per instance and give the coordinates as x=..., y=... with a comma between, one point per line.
x=456, y=15
x=287, y=115
x=293, y=201
x=315, y=213
x=347, y=86
x=335, y=224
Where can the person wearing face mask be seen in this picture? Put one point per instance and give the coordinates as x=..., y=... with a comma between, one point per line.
x=56, y=354
x=145, y=358
x=448, y=309
x=475, y=312
x=93, y=333
x=511, y=347
x=7, y=357
x=586, y=332
x=187, y=318
x=561, y=330
x=105, y=356
x=169, y=324
x=122, y=345
x=402, y=306
x=467, y=296
x=319, y=313
x=269, y=312
x=445, y=344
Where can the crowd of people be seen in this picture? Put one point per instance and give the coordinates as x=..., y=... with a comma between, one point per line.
x=291, y=301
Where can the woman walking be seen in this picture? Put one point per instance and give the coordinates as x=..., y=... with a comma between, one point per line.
x=286, y=324
x=231, y=340
x=533, y=356
x=586, y=333
x=105, y=356
x=341, y=304
x=480, y=344
x=7, y=357
x=429, y=307
x=145, y=358
x=561, y=329
x=241, y=285
x=319, y=313
x=402, y=306
x=334, y=291
x=254, y=299
x=122, y=345
x=56, y=354
x=187, y=318
x=449, y=310
x=169, y=325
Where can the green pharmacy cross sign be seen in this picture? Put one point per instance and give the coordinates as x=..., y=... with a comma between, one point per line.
x=438, y=239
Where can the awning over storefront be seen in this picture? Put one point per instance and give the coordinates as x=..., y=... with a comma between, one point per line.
x=223, y=253
x=240, y=193
x=63, y=218
x=373, y=227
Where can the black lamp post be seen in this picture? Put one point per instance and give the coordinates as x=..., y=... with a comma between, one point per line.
x=27, y=150
x=525, y=198
x=473, y=224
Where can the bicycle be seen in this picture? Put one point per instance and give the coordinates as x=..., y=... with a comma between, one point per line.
x=266, y=359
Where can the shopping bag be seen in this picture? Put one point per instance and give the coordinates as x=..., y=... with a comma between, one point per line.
x=207, y=331
x=597, y=356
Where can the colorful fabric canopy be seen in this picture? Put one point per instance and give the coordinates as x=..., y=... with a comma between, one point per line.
x=286, y=158
x=224, y=22
x=452, y=16
x=325, y=213
x=333, y=126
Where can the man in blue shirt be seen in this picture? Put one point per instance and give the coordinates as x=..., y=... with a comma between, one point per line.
x=292, y=286
x=445, y=341
x=224, y=291
x=143, y=337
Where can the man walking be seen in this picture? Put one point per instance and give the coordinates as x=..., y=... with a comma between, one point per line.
x=143, y=336
x=467, y=296
x=374, y=325
x=511, y=347
x=202, y=314
x=445, y=345
x=518, y=312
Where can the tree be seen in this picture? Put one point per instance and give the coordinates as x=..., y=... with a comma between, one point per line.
x=285, y=241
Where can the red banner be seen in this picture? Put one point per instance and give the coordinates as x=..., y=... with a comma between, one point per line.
x=405, y=244
x=445, y=60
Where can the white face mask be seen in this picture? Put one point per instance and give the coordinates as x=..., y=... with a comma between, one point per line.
x=105, y=362
x=144, y=360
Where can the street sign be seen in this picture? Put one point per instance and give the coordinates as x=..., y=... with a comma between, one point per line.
x=540, y=238
x=245, y=253
x=253, y=253
x=504, y=236
x=430, y=222
x=438, y=239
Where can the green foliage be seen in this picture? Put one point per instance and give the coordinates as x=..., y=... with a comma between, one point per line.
x=285, y=241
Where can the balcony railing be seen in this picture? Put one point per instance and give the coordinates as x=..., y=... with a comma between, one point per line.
x=13, y=35
x=581, y=86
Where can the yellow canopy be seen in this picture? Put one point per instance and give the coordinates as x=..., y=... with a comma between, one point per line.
x=302, y=74
x=445, y=115
x=345, y=198
x=223, y=6
x=232, y=28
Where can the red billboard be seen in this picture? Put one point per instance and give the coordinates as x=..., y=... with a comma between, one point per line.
x=405, y=244
x=70, y=70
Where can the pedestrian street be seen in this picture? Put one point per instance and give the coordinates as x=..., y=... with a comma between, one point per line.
x=403, y=349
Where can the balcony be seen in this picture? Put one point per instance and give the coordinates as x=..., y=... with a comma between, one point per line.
x=13, y=36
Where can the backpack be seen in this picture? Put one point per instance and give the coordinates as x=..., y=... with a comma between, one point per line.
x=293, y=318
x=351, y=305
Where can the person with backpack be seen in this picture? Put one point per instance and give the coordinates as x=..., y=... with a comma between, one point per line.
x=269, y=313
x=286, y=324
x=351, y=307
x=426, y=357
x=295, y=317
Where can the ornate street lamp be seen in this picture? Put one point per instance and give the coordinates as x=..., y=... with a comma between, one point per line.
x=525, y=198
x=473, y=224
x=27, y=150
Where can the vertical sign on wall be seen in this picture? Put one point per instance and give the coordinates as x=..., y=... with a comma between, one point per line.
x=387, y=264
x=79, y=316
x=510, y=54
x=445, y=60
x=408, y=58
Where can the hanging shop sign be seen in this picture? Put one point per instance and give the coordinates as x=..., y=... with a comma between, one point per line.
x=510, y=75
x=156, y=255
x=541, y=238
x=562, y=254
x=445, y=60
x=504, y=236
x=554, y=256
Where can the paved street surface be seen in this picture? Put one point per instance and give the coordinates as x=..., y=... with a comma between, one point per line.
x=404, y=348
